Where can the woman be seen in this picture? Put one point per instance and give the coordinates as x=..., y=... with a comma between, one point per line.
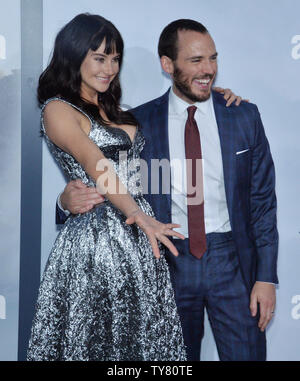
x=104, y=295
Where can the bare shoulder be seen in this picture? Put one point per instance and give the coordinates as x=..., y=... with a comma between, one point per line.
x=60, y=112
x=62, y=123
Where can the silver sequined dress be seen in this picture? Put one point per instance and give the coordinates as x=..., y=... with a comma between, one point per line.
x=104, y=296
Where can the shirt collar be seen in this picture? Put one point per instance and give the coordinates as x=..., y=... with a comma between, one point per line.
x=178, y=106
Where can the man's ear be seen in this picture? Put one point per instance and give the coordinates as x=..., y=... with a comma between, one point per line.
x=167, y=64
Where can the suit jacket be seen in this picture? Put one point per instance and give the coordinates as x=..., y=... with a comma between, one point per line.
x=249, y=180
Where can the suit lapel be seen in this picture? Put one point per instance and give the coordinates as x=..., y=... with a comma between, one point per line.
x=154, y=122
x=160, y=123
x=227, y=140
x=162, y=152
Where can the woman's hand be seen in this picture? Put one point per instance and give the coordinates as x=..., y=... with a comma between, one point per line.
x=229, y=96
x=155, y=230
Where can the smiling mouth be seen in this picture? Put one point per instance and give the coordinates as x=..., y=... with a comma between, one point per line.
x=203, y=83
x=103, y=79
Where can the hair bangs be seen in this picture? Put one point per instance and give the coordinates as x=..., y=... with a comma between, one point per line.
x=113, y=43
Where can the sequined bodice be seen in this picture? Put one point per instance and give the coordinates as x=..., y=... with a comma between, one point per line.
x=114, y=143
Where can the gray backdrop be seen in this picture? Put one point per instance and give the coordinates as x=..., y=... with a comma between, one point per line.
x=10, y=169
x=259, y=57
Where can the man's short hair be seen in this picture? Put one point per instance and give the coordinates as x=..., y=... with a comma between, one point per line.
x=167, y=45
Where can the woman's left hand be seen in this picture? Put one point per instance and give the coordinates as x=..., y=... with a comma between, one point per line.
x=229, y=96
x=155, y=230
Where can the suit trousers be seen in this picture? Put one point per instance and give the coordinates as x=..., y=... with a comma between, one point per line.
x=215, y=282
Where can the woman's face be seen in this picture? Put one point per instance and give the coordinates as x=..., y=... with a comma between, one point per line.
x=97, y=71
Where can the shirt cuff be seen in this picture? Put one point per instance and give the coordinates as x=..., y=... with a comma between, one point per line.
x=261, y=281
x=66, y=212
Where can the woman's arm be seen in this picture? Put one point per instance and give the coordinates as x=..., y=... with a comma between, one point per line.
x=63, y=127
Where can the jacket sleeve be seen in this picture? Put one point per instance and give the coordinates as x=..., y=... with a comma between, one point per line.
x=60, y=217
x=263, y=206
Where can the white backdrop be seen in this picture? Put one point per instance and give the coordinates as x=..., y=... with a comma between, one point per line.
x=259, y=57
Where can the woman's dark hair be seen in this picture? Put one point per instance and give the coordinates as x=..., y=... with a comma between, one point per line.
x=62, y=76
x=167, y=45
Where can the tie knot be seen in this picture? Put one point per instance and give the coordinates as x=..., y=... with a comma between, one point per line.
x=191, y=111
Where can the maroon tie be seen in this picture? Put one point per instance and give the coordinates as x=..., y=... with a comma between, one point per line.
x=195, y=198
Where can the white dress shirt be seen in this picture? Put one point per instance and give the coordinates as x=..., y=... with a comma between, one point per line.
x=216, y=215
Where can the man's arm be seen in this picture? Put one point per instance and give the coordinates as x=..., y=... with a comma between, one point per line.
x=76, y=198
x=264, y=226
x=263, y=207
x=61, y=215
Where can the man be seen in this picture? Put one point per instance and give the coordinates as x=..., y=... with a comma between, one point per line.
x=228, y=262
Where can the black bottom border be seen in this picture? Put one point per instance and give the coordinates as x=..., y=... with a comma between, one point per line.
x=136, y=370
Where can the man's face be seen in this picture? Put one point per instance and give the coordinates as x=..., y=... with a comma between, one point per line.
x=195, y=68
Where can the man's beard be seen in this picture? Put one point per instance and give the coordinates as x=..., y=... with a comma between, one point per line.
x=182, y=85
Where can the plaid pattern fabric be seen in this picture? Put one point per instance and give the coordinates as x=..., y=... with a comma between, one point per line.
x=215, y=283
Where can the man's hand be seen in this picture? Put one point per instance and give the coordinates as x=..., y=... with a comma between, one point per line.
x=78, y=198
x=264, y=294
x=229, y=96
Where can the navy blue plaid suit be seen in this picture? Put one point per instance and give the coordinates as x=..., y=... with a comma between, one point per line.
x=234, y=261
x=223, y=279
